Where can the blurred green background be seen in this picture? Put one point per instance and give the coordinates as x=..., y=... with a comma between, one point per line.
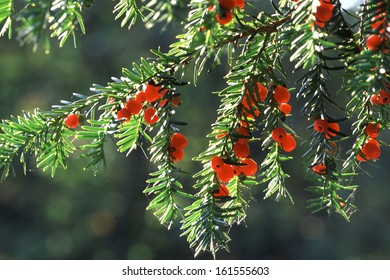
x=77, y=215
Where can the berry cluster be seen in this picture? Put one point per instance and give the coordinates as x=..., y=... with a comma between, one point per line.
x=225, y=172
x=284, y=139
x=282, y=97
x=224, y=14
x=177, y=144
x=150, y=94
x=371, y=148
x=329, y=129
x=323, y=12
x=249, y=103
x=242, y=165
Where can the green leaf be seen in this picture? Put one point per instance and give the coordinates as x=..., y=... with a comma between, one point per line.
x=128, y=134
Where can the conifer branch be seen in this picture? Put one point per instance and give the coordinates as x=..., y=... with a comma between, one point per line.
x=138, y=108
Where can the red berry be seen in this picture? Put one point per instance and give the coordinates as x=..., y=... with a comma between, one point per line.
x=240, y=4
x=150, y=115
x=319, y=168
x=141, y=96
x=151, y=93
x=224, y=18
x=373, y=42
x=360, y=158
x=226, y=173
x=134, y=106
x=321, y=125
x=373, y=141
x=377, y=22
x=154, y=93
x=222, y=191
x=72, y=120
x=227, y=4
x=375, y=100
x=123, y=114
x=288, y=144
x=384, y=97
x=217, y=163
x=176, y=101
x=250, y=167
x=323, y=11
x=372, y=130
x=241, y=150
x=244, y=132
x=332, y=129
x=371, y=149
x=176, y=154
x=281, y=94
x=285, y=108
x=178, y=140
x=279, y=134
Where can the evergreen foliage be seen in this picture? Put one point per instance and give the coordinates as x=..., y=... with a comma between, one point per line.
x=138, y=109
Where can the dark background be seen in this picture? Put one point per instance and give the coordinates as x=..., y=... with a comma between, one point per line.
x=77, y=215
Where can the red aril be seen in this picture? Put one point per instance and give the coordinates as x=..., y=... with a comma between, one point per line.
x=72, y=121
x=217, y=163
x=372, y=129
x=373, y=42
x=176, y=154
x=123, y=114
x=241, y=150
x=134, y=106
x=321, y=125
x=226, y=173
x=279, y=134
x=178, y=141
x=150, y=116
x=224, y=18
x=289, y=143
x=319, y=168
x=176, y=101
x=250, y=166
x=285, y=108
x=281, y=94
x=227, y=4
